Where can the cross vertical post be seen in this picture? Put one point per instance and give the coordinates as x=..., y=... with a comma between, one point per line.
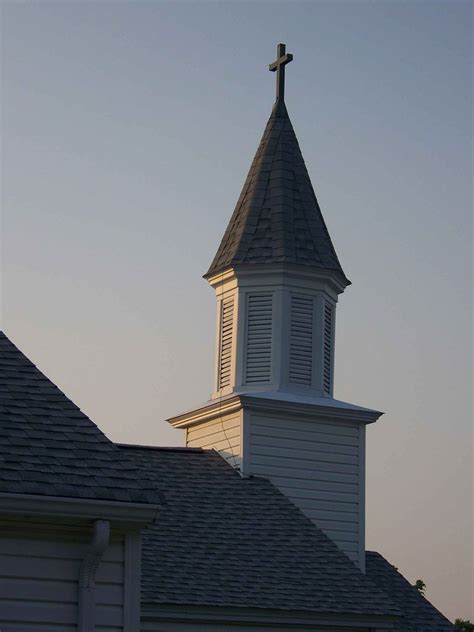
x=282, y=59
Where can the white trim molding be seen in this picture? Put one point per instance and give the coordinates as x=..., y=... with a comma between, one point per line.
x=138, y=514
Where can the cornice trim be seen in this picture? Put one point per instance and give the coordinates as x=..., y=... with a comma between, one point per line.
x=213, y=410
x=314, y=410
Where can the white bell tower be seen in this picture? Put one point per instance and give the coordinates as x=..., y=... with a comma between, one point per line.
x=277, y=280
x=275, y=330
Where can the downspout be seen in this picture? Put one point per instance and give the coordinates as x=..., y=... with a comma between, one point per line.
x=90, y=563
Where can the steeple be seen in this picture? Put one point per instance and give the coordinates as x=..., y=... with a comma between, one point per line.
x=277, y=219
x=276, y=273
x=277, y=280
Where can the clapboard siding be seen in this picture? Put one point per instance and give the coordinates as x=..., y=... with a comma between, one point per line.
x=109, y=592
x=316, y=465
x=223, y=435
x=306, y=428
x=266, y=456
x=39, y=627
x=38, y=581
x=316, y=436
x=39, y=584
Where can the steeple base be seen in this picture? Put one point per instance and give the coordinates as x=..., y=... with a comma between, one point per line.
x=311, y=448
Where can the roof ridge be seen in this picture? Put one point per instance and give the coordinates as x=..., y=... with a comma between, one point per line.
x=161, y=448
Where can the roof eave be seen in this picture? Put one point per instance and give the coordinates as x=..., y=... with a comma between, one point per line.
x=139, y=514
x=335, y=277
x=251, y=616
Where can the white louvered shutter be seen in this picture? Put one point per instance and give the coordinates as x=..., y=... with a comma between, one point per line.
x=327, y=346
x=301, y=340
x=258, y=356
x=225, y=342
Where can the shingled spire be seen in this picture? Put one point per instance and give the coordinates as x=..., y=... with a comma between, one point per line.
x=277, y=219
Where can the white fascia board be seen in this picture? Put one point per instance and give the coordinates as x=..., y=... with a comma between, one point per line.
x=277, y=402
x=205, y=412
x=259, y=274
x=153, y=614
x=316, y=407
x=136, y=514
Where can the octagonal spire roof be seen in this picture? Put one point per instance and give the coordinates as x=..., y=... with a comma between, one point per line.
x=277, y=219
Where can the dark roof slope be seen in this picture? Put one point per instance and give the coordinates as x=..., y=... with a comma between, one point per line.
x=222, y=540
x=49, y=447
x=277, y=218
x=418, y=614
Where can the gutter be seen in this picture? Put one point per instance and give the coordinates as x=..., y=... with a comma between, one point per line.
x=139, y=514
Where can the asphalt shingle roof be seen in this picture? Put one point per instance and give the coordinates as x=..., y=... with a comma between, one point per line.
x=277, y=218
x=221, y=540
x=49, y=447
x=418, y=614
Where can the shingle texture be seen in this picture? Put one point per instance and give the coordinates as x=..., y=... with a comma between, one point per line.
x=277, y=218
x=221, y=540
x=49, y=447
x=418, y=614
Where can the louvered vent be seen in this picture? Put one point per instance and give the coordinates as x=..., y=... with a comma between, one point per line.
x=225, y=342
x=327, y=352
x=301, y=340
x=259, y=338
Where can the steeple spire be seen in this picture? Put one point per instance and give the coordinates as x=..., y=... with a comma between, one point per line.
x=277, y=219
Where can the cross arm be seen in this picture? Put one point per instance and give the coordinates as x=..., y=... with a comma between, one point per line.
x=282, y=61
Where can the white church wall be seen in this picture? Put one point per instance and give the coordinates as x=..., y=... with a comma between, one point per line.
x=39, y=586
x=39, y=573
x=222, y=434
x=318, y=466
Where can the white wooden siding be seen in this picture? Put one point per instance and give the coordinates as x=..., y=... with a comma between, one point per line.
x=39, y=585
x=316, y=465
x=221, y=434
x=109, y=592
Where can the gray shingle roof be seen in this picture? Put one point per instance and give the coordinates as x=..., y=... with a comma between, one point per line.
x=418, y=614
x=221, y=540
x=277, y=218
x=49, y=447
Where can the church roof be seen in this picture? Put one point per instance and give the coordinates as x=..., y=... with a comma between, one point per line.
x=418, y=614
x=49, y=447
x=277, y=218
x=223, y=540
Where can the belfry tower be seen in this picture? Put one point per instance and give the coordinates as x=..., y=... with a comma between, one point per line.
x=277, y=279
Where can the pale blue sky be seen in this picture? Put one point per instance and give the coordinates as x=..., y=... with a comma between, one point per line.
x=127, y=131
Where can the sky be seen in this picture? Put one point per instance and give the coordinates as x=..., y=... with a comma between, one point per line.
x=127, y=129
